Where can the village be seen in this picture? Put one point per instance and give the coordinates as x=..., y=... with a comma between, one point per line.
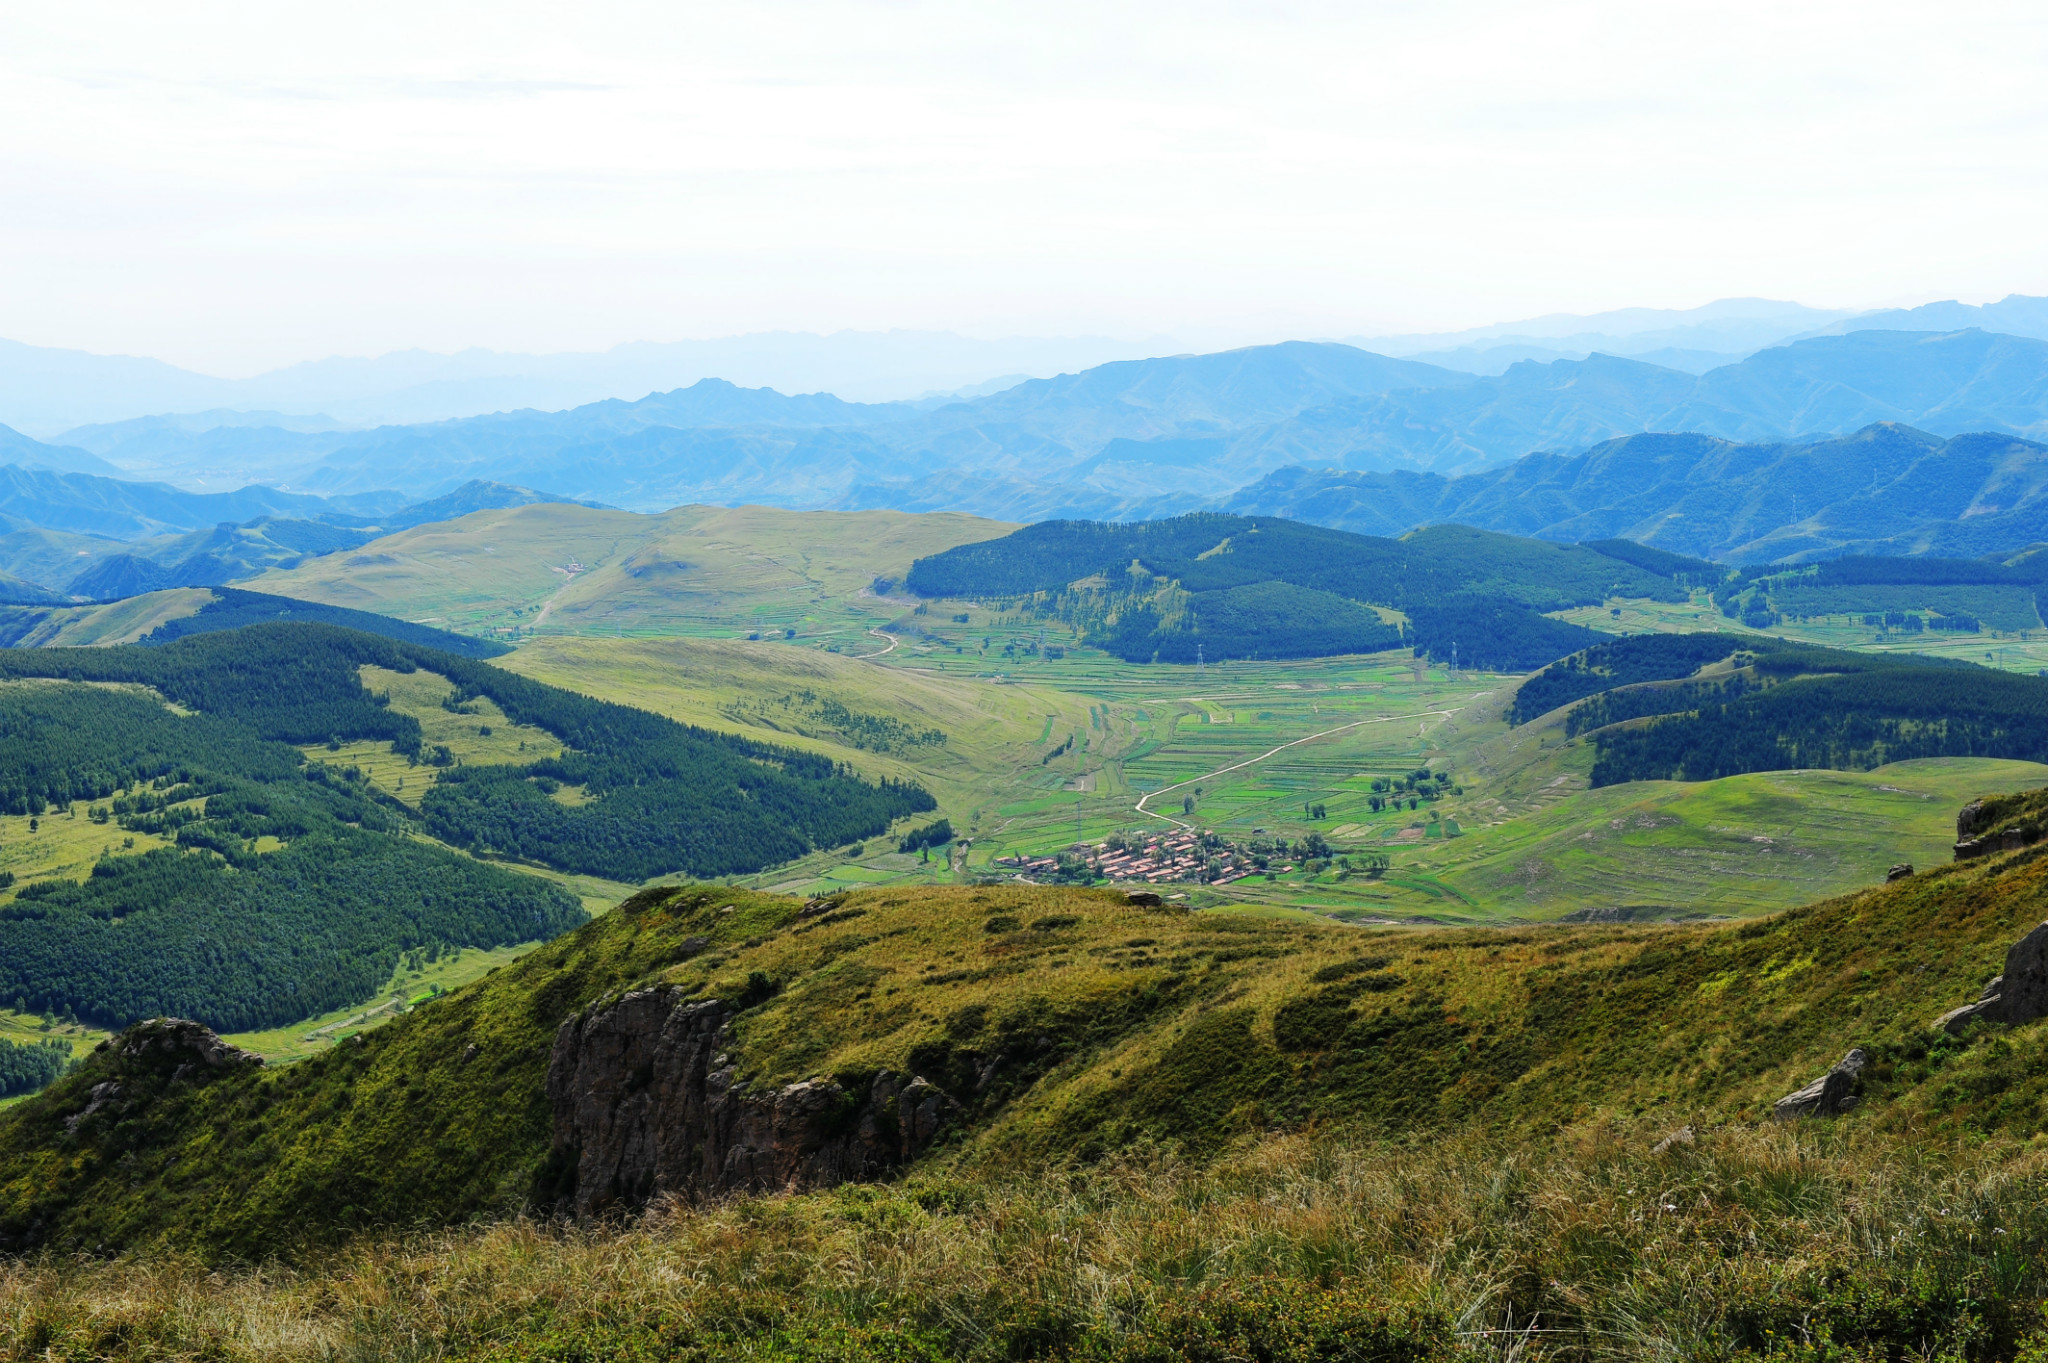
x=1181, y=856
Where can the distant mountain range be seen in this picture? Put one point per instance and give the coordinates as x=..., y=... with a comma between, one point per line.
x=65, y=536
x=1401, y=443
x=48, y=391
x=1887, y=489
x=1141, y=436
x=1695, y=339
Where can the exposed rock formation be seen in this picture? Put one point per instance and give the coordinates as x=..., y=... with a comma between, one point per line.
x=177, y=1047
x=1683, y=1136
x=152, y=1056
x=2004, y=825
x=1828, y=1096
x=1986, y=1006
x=646, y=1102
x=1899, y=872
x=2019, y=995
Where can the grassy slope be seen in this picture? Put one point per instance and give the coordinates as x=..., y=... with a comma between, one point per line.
x=694, y=570
x=1137, y=728
x=2015, y=650
x=1108, y=1024
x=1766, y=841
x=119, y=622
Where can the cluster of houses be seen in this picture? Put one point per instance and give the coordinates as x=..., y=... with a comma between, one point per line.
x=1179, y=856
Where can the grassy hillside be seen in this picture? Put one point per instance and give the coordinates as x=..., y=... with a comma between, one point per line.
x=1072, y=1026
x=563, y=569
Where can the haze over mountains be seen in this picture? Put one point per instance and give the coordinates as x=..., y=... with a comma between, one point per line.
x=47, y=391
x=1320, y=431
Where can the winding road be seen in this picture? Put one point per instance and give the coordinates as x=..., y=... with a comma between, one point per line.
x=1250, y=761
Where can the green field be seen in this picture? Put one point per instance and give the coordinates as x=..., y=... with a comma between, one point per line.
x=2015, y=650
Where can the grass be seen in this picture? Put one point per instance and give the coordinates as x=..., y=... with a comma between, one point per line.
x=63, y=845
x=119, y=622
x=2013, y=650
x=1224, y=1128
x=1747, y=844
x=632, y=626
x=1071, y=1027
x=1752, y=1243
x=478, y=733
x=413, y=978
x=706, y=571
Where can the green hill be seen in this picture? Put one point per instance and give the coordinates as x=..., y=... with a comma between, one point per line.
x=1170, y=1136
x=1217, y=586
x=696, y=570
x=1068, y=1025
x=266, y=888
x=1697, y=707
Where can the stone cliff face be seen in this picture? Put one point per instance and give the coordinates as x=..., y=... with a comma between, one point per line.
x=646, y=1102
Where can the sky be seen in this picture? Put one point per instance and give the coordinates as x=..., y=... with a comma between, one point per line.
x=234, y=187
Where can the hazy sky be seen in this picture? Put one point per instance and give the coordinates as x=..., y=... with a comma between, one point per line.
x=234, y=187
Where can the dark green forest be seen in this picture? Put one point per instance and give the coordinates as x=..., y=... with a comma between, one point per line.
x=1782, y=705
x=1852, y=722
x=212, y=929
x=218, y=931
x=1260, y=586
x=26, y=1066
x=668, y=797
x=1624, y=662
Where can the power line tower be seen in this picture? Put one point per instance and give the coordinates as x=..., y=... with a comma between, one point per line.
x=1201, y=667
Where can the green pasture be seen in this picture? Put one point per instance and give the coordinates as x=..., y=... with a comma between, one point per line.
x=2013, y=650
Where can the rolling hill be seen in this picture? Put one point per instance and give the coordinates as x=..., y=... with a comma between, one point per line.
x=1127, y=1089
x=568, y=568
x=194, y=748
x=1216, y=586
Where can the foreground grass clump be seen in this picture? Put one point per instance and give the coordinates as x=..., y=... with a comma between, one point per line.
x=1747, y=1243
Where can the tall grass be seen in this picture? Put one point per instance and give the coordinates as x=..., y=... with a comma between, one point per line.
x=1800, y=1243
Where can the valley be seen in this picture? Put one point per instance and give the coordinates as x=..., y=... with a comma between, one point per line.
x=1034, y=740
x=987, y=684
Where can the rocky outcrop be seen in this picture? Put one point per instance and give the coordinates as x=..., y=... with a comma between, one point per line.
x=177, y=1048
x=151, y=1057
x=2018, y=995
x=646, y=1102
x=1828, y=1096
x=1902, y=871
x=2005, y=825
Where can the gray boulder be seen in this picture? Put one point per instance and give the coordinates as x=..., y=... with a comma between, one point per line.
x=1986, y=1007
x=1828, y=1096
x=2019, y=995
x=1902, y=871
